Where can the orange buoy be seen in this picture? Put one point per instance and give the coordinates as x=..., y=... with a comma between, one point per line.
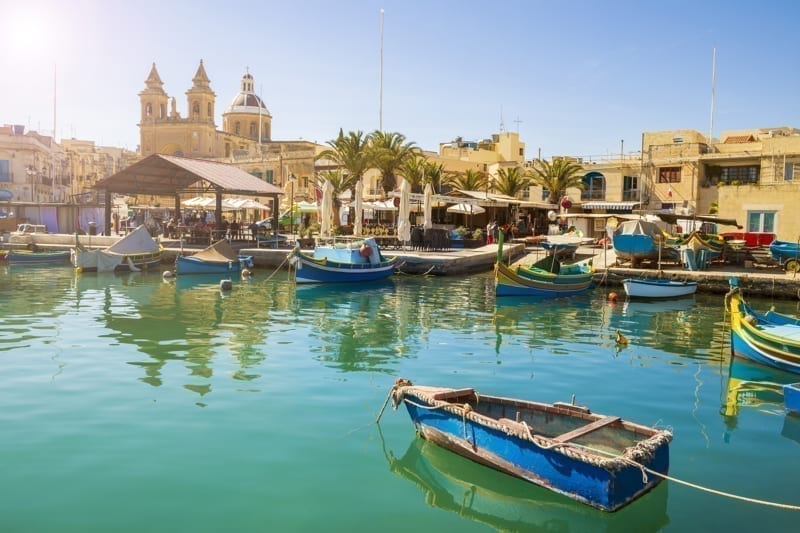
x=612, y=296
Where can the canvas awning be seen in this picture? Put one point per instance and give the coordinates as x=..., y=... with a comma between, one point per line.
x=610, y=206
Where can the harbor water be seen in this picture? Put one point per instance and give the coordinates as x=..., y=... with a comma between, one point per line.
x=130, y=403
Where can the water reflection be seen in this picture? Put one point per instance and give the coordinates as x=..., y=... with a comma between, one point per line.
x=480, y=494
x=751, y=386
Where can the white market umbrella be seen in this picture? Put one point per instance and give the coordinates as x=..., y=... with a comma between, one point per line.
x=427, y=207
x=466, y=209
x=358, y=208
x=403, y=224
x=327, y=209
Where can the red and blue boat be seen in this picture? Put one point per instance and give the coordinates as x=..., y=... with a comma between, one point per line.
x=591, y=458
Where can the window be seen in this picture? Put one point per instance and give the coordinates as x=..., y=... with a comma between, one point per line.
x=761, y=221
x=148, y=110
x=5, y=165
x=740, y=175
x=210, y=110
x=669, y=175
x=196, y=110
x=252, y=129
x=237, y=128
x=630, y=188
x=545, y=195
x=594, y=186
x=269, y=177
x=788, y=172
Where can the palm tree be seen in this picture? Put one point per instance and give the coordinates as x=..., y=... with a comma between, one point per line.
x=435, y=175
x=389, y=151
x=470, y=180
x=413, y=170
x=350, y=153
x=341, y=183
x=511, y=181
x=556, y=177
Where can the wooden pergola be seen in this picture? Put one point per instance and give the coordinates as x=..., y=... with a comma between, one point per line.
x=169, y=175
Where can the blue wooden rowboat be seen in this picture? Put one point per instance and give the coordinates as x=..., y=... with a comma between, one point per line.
x=32, y=257
x=594, y=459
x=791, y=397
x=787, y=254
x=219, y=258
x=356, y=261
x=768, y=338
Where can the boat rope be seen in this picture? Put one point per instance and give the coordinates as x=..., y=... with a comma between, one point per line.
x=278, y=268
x=645, y=470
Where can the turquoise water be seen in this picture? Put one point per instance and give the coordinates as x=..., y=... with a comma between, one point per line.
x=132, y=404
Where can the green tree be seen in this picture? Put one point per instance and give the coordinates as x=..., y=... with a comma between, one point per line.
x=388, y=152
x=413, y=170
x=556, y=177
x=350, y=152
x=341, y=183
x=511, y=181
x=435, y=175
x=470, y=180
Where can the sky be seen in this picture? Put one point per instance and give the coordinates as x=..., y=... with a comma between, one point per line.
x=572, y=77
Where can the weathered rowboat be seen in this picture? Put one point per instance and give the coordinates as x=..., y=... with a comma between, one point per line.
x=658, y=288
x=357, y=261
x=768, y=338
x=136, y=251
x=219, y=258
x=34, y=257
x=594, y=459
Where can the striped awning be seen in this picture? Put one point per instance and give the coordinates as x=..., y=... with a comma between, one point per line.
x=610, y=206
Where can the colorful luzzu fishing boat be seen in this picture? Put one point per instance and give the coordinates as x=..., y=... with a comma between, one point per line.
x=768, y=338
x=594, y=459
x=219, y=258
x=350, y=262
x=546, y=278
x=697, y=249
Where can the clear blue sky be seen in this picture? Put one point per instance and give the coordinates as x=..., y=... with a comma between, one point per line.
x=580, y=75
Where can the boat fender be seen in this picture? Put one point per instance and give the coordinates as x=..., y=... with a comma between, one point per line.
x=750, y=319
x=225, y=285
x=168, y=274
x=365, y=251
x=246, y=273
x=612, y=296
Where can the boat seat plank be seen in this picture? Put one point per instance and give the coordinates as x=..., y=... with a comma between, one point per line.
x=588, y=428
x=450, y=395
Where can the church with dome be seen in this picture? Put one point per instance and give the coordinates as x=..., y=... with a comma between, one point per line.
x=245, y=139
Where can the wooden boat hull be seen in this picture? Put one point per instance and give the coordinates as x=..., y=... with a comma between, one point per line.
x=555, y=446
x=510, y=283
x=774, y=341
x=190, y=265
x=311, y=270
x=658, y=288
x=791, y=397
x=26, y=257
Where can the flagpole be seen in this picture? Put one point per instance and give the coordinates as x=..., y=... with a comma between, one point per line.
x=380, y=111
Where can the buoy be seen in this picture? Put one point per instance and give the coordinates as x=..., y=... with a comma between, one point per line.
x=225, y=285
x=621, y=339
x=612, y=296
x=246, y=273
x=168, y=274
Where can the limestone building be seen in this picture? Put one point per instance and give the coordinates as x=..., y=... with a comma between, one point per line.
x=245, y=139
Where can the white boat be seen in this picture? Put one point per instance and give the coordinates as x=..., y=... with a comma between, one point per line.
x=136, y=251
x=658, y=288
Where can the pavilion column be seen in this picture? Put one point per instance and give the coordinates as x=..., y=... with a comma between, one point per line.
x=218, y=210
x=178, y=218
x=107, y=214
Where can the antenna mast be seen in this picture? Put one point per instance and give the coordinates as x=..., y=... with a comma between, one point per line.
x=713, y=91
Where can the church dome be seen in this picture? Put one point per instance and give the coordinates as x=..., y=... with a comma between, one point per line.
x=247, y=101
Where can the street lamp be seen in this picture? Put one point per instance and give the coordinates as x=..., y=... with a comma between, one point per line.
x=31, y=172
x=292, y=179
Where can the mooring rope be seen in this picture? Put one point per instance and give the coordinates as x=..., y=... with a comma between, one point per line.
x=279, y=267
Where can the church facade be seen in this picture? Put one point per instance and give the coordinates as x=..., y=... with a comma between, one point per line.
x=245, y=139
